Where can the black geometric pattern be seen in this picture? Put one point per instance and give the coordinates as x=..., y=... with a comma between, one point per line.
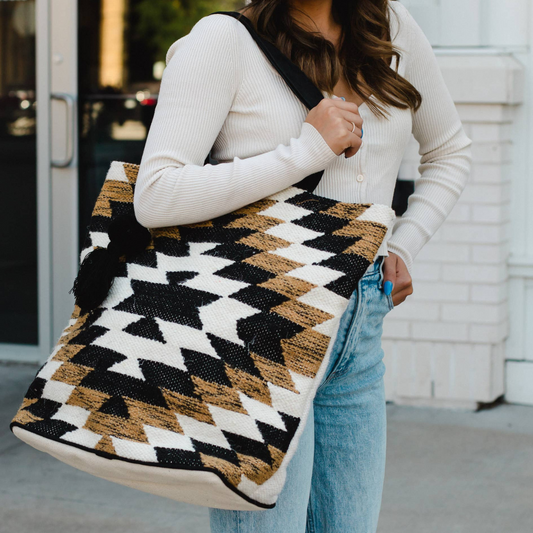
x=204, y=355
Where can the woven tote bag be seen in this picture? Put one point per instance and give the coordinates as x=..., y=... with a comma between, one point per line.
x=191, y=376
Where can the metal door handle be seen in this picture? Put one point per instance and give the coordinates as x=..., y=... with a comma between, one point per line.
x=69, y=101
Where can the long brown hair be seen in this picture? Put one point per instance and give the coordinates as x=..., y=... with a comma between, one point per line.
x=364, y=53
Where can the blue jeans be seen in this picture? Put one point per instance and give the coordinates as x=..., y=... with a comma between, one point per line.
x=335, y=479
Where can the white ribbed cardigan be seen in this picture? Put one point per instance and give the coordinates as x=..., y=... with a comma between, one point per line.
x=219, y=91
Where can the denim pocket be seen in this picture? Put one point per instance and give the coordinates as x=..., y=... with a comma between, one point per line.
x=390, y=302
x=341, y=338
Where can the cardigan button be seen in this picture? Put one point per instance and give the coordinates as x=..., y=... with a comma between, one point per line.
x=360, y=177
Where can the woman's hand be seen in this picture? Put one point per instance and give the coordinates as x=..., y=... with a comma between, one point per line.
x=333, y=118
x=395, y=271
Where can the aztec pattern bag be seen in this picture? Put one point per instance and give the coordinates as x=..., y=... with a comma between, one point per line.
x=194, y=376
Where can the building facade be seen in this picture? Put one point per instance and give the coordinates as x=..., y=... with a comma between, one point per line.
x=78, y=86
x=461, y=339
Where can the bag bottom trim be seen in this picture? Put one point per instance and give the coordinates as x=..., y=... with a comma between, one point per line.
x=174, y=482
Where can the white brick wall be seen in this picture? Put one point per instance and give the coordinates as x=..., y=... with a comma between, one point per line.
x=445, y=344
x=519, y=344
x=443, y=373
x=519, y=380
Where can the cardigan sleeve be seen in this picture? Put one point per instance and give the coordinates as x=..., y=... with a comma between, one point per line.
x=445, y=149
x=200, y=81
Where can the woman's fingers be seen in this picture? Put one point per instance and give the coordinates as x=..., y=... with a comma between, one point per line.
x=395, y=271
x=350, y=114
x=335, y=119
x=349, y=111
x=357, y=130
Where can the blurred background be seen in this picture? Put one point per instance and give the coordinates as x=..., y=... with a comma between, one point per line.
x=79, y=83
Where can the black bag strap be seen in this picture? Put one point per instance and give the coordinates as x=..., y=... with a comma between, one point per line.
x=300, y=84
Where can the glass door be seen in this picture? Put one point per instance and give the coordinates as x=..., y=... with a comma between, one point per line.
x=19, y=299
x=38, y=162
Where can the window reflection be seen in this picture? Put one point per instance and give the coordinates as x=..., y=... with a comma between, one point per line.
x=122, y=50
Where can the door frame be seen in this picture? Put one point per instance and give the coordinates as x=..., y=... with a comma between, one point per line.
x=56, y=50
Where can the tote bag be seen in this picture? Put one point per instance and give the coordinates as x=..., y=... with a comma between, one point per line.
x=191, y=376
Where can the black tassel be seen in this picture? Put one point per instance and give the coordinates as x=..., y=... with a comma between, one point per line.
x=99, y=267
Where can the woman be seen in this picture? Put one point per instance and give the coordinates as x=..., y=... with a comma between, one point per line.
x=375, y=66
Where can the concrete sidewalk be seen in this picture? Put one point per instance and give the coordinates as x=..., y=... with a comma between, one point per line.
x=447, y=472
